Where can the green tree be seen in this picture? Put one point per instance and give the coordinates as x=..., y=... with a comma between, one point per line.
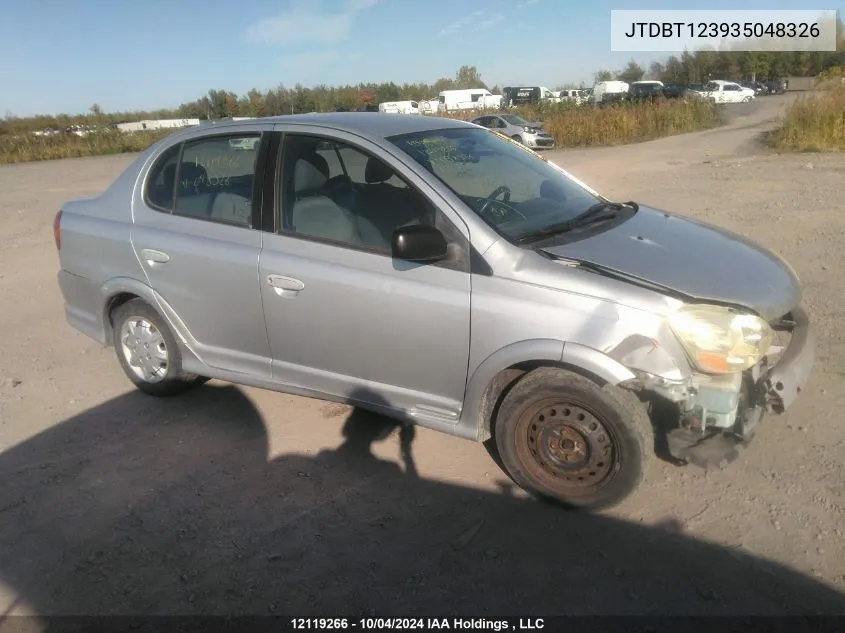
x=602, y=75
x=632, y=72
x=468, y=77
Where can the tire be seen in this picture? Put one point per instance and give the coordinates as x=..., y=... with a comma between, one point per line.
x=517, y=138
x=155, y=333
x=603, y=439
x=747, y=100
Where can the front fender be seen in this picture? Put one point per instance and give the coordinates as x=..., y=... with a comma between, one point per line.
x=474, y=422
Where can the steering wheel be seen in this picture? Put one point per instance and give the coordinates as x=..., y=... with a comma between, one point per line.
x=505, y=192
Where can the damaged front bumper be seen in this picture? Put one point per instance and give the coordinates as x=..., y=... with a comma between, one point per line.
x=720, y=414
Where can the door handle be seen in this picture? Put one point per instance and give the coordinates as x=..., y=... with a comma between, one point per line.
x=154, y=257
x=285, y=286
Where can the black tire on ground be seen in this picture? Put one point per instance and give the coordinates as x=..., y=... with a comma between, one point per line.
x=517, y=138
x=175, y=381
x=562, y=437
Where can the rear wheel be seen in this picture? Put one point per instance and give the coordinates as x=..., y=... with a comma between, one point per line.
x=147, y=350
x=563, y=437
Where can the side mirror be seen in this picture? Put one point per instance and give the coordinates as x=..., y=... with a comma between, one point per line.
x=418, y=243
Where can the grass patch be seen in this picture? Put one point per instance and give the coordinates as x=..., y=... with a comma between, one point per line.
x=588, y=126
x=20, y=148
x=571, y=126
x=814, y=123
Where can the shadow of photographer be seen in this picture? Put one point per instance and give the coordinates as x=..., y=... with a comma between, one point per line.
x=159, y=507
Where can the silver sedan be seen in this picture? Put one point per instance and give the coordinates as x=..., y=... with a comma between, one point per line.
x=529, y=134
x=433, y=271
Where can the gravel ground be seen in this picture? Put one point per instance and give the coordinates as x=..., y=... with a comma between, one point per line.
x=235, y=500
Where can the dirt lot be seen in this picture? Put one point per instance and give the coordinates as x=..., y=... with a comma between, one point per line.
x=232, y=500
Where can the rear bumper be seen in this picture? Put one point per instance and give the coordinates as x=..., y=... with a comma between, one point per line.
x=83, y=305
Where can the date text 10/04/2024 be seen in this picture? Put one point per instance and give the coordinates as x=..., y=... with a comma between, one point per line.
x=416, y=624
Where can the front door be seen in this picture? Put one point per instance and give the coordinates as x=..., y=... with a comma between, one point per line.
x=193, y=235
x=343, y=316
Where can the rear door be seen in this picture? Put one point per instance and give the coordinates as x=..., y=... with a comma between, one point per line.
x=197, y=235
x=343, y=316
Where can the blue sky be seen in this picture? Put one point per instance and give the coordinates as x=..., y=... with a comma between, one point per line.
x=63, y=56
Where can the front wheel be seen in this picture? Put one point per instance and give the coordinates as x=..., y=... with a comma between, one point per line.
x=746, y=100
x=563, y=437
x=147, y=350
x=517, y=138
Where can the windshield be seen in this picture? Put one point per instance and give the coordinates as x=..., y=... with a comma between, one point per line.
x=510, y=187
x=515, y=120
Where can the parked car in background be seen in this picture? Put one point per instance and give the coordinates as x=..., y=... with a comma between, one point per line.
x=777, y=87
x=522, y=95
x=645, y=90
x=760, y=89
x=720, y=91
x=571, y=95
x=433, y=271
x=522, y=131
x=429, y=106
x=609, y=92
x=675, y=91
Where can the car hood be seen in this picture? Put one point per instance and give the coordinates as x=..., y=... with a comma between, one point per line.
x=693, y=259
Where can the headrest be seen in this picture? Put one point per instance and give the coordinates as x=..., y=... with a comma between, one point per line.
x=377, y=171
x=320, y=163
x=307, y=177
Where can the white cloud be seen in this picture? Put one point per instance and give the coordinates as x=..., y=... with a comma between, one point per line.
x=311, y=61
x=488, y=22
x=525, y=3
x=457, y=25
x=307, y=22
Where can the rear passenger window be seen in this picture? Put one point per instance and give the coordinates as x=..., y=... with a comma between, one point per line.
x=209, y=179
x=215, y=179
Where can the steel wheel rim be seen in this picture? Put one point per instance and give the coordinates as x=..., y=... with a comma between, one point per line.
x=567, y=445
x=144, y=349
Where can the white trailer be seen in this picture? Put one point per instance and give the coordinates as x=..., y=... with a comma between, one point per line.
x=156, y=124
x=399, y=107
x=468, y=99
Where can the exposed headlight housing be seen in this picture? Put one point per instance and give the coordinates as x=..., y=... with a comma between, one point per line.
x=721, y=340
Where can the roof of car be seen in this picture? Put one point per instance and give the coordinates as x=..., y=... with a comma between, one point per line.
x=374, y=125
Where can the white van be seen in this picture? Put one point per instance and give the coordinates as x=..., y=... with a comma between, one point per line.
x=468, y=99
x=429, y=106
x=571, y=95
x=399, y=107
x=609, y=91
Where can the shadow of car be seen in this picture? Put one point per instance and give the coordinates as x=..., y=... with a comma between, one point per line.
x=139, y=508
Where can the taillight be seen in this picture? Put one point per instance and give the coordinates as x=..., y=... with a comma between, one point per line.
x=57, y=230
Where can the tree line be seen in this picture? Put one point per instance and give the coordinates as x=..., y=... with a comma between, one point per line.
x=703, y=65
x=689, y=67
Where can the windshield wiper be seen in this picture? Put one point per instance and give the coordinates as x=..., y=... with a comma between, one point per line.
x=592, y=214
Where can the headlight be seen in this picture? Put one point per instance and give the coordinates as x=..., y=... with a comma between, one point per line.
x=720, y=340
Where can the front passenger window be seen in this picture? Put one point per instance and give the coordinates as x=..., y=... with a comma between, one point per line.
x=338, y=193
